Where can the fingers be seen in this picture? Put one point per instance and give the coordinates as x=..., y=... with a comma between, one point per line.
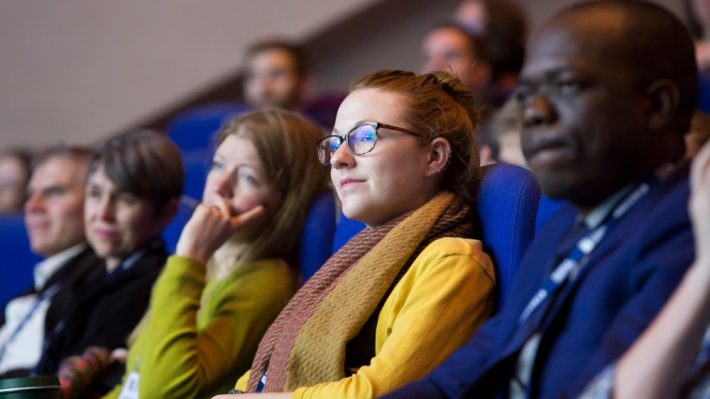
x=119, y=355
x=246, y=218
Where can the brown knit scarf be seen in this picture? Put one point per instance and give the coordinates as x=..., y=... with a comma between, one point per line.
x=306, y=344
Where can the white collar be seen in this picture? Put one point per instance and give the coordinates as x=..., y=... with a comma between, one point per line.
x=46, y=268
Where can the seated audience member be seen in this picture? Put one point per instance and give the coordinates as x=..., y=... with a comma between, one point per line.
x=502, y=25
x=665, y=362
x=608, y=137
x=55, y=224
x=411, y=287
x=448, y=47
x=133, y=184
x=275, y=75
x=14, y=174
x=230, y=276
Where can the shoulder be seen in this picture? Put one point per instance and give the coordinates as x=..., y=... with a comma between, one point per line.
x=453, y=256
x=265, y=278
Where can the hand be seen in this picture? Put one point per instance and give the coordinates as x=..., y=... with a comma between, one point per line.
x=210, y=226
x=700, y=203
x=119, y=355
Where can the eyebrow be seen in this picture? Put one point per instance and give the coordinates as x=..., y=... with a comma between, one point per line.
x=358, y=123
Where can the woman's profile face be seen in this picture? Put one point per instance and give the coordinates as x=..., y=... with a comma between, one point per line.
x=117, y=223
x=391, y=179
x=238, y=179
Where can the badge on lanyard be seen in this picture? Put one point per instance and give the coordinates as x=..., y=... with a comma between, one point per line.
x=130, y=387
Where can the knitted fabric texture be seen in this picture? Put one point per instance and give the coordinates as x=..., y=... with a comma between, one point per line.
x=306, y=344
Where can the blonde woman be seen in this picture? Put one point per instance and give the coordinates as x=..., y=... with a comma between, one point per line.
x=233, y=268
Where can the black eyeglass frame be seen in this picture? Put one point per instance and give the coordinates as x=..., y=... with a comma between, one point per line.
x=344, y=137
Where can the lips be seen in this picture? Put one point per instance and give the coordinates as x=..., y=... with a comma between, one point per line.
x=37, y=224
x=548, y=150
x=105, y=234
x=349, y=182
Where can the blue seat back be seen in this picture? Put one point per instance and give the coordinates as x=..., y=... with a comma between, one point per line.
x=194, y=133
x=507, y=207
x=171, y=234
x=317, y=235
x=344, y=231
x=17, y=260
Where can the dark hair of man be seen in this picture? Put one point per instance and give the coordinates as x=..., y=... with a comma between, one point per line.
x=294, y=50
x=506, y=29
x=144, y=163
x=657, y=46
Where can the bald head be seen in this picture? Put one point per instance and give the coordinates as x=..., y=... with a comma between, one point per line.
x=639, y=39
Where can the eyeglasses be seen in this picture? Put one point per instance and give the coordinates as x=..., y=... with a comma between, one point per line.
x=360, y=140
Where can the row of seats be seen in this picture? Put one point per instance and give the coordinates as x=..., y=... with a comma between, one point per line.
x=510, y=209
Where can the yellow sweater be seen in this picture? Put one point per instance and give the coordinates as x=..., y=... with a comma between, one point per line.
x=200, y=335
x=446, y=294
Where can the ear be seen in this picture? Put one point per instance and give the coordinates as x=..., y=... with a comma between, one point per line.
x=438, y=157
x=664, y=97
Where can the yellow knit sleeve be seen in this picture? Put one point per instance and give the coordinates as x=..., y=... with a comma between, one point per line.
x=445, y=295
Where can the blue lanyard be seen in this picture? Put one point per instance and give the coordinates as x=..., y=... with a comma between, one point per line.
x=45, y=295
x=576, y=259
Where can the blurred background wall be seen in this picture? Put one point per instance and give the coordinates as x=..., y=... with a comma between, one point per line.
x=75, y=71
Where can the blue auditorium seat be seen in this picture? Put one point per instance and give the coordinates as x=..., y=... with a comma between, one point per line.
x=507, y=208
x=317, y=236
x=17, y=261
x=171, y=234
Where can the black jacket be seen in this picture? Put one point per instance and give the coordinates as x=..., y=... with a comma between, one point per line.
x=106, y=311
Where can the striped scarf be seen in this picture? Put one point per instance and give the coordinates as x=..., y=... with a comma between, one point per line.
x=306, y=344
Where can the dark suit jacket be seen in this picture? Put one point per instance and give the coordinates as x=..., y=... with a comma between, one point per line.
x=105, y=313
x=628, y=278
x=72, y=277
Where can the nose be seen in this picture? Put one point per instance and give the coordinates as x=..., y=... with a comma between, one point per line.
x=435, y=63
x=342, y=158
x=104, y=208
x=223, y=185
x=33, y=203
x=537, y=111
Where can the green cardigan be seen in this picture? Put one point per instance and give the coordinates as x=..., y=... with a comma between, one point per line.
x=200, y=335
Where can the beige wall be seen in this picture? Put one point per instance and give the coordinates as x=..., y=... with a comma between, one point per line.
x=77, y=70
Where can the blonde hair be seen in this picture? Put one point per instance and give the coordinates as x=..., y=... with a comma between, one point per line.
x=285, y=143
x=437, y=104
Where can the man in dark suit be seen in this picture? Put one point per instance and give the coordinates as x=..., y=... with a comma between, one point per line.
x=607, y=91
x=55, y=225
